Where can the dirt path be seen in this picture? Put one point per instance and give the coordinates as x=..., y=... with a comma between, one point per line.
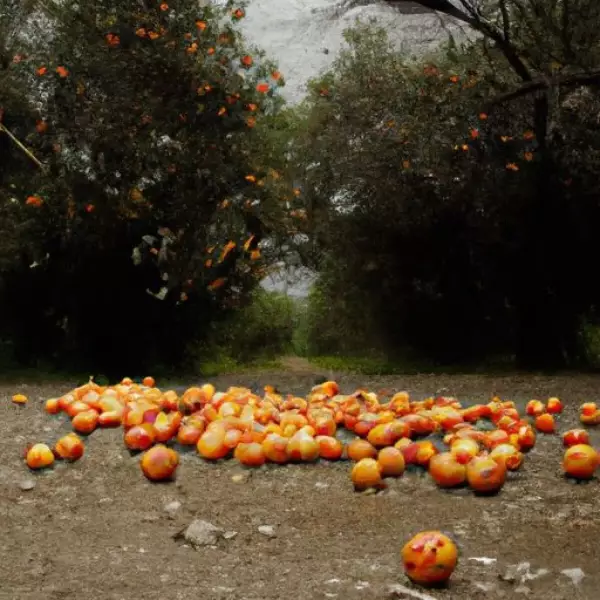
x=98, y=529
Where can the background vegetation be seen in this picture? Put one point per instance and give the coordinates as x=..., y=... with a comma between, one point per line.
x=151, y=176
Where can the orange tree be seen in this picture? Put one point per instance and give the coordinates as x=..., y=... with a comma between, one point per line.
x=147, y=219
x=550, y=48
x=424, y=201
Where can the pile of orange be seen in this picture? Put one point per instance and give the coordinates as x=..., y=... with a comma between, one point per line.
x=276, y=428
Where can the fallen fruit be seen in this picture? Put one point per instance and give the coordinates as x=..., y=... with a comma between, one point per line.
x=365, y=474
x=391, y=462
x=485, y=475
x=69, y=447
x=39, y=456
x=575, y=436
x=19, y=399
x=159, y=463
x=429, y=558
x=545, y=423
x=358, y=449
x=447, y=471
x=580, y=461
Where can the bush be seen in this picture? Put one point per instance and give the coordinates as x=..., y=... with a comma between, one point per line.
x=260, y=331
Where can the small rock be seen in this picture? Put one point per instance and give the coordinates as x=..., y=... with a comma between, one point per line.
x=484, y=560
x=229, y=535
x=150, y=518
x=171, y=508
x=361, y=585
x=575, y=575
x=398, y=590
x=522, y=572
x=267, y=530
x=484, y=587
x=239, y=478
x=321, y=486
x=27, y=485
x=523, y=589
x=201, y=533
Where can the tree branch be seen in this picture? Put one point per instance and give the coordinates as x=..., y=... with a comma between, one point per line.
x=22, y=147
x=574, y=80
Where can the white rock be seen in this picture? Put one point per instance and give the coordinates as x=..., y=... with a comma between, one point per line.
x=229, y=535
x=575, y=575
x=267, y=530
x=27, y=485
x=172, y=507
x=202, y=533
x=484, y=560
x=401, y=591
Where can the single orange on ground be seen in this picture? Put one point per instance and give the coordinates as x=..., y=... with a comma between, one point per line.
x=140, y=437
x=576, y=436
x=19, y=399
x=464, y=450
x=52, y=406
x=447, y=471
x=303, y=447
x=358, y=449
x=85, y=422
x=250, y=454
x=159, y=463
x=554, y=406
x=275, y=448
x=526, y=437
x=365, y=474
x=39, y=456
x=535, y=408
x=580, y=461
x=485, y=475
x=211, y=444
x=545, y=423
x=391, y=462
x=189, y=433
x=149, y=381
x=330, y=448
x=429, y=558
x=69, y=447
x=509, y=455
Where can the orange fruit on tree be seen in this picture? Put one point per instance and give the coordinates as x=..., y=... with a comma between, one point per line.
x=575, y=436
x=580, y=461
x=159, y=463
x=485, y=475
x=39, y=456
x=366, y=473
x=446, y=470
x=391, y=462
x=429, y=558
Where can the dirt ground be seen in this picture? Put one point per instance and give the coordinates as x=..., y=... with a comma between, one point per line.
x=98, y=529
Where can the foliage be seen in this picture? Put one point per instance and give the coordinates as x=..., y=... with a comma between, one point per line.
x=263, y=329
x=433, y=222
x=150, y=216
